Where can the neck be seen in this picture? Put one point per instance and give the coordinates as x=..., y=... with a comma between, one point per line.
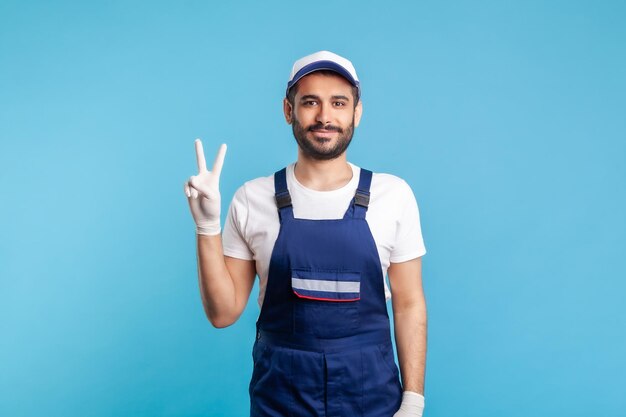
x=323, y=175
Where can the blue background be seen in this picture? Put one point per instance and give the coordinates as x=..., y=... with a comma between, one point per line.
x=506, y=117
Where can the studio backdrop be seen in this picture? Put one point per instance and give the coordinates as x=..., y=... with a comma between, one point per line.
x=507, y=119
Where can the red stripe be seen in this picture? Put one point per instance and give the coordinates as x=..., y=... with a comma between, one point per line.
x=308, y=297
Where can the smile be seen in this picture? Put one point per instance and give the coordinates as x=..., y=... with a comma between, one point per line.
x=324, y=133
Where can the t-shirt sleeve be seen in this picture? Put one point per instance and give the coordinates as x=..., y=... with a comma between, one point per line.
x=234, y=236
x=409, y=243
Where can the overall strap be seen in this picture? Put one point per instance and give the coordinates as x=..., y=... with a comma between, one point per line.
x=362, y=196
x=281, y=193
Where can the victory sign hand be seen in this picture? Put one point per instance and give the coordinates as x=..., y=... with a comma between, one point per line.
x=203, y=192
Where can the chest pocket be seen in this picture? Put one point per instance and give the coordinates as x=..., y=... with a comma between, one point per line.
x=334, y=286
x=327, y=302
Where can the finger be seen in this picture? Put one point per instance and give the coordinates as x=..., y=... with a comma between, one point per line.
x=195, y=187
x=186, y=188
x=219, y=160
x=200, y=156
x=194, y=182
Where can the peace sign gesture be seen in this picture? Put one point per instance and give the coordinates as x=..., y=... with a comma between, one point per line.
x=203, y=193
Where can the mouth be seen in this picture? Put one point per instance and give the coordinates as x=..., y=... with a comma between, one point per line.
x=323, y=133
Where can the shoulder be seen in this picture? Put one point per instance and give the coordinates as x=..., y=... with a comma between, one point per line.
x=389, y=194
x=390, y=186
x=382, y=181
x=256, y=194
x=389, y=180
x=258, y=185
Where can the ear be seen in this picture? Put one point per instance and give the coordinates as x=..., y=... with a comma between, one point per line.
x=358, y=111
x=288, y=110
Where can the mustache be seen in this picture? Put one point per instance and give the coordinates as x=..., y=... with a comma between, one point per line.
x=328, y=128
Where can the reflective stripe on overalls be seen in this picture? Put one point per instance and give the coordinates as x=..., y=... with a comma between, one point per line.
x=323, y=345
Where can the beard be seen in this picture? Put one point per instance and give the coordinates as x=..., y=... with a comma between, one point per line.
x=315, y=148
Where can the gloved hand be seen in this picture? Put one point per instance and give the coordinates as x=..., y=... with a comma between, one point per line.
x=412, y=405
x=203, y=192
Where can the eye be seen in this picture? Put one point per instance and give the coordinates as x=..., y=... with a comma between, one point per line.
x=309, y=103
x=340, y=103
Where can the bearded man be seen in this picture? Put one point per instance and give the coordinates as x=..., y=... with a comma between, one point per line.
x=321, y=235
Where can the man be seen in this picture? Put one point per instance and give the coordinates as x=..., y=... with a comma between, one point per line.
x=321, y=235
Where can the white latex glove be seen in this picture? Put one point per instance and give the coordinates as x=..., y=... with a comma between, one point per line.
x=412, y=405
x=203, y=192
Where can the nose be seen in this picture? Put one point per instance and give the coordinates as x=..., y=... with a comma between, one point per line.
x=323, y=114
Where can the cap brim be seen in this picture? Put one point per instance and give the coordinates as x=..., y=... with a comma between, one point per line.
x=323, y=65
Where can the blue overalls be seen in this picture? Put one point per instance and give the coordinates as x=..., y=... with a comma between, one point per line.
x=323, y=345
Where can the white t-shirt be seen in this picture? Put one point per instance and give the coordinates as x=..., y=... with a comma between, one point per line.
x=252, y=223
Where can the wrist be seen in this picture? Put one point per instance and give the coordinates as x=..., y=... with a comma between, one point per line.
x=209, y=228
x=412, y=403
x=413, y=395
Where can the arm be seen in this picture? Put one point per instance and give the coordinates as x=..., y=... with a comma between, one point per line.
x=409, y=315
x=225, y=282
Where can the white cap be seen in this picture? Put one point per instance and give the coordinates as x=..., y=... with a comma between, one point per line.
x=323, y=60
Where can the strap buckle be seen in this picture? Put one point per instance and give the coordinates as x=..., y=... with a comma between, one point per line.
x=283, y=200
x=362, y=199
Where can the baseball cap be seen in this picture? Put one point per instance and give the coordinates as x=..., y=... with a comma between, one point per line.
x=323, y=60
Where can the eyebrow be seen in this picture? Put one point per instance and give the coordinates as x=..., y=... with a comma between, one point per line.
x=314, y=97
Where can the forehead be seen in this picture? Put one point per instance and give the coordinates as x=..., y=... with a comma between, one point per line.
x=327, y=84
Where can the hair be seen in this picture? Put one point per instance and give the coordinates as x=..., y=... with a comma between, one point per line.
x=291, y=95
